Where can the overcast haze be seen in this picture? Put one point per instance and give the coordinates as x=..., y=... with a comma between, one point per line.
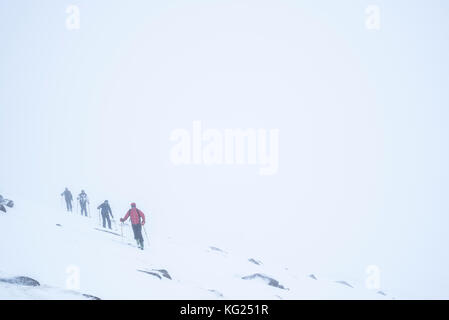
x=362, y=118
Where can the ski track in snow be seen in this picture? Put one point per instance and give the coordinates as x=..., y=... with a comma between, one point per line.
x=50, y=248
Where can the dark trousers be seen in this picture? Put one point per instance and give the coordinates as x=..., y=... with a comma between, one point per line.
x=137, y=229
x=69, y=205
x=83, y=208
x=106, y=218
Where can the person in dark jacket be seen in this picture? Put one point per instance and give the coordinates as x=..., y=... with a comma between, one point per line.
x=137, y=221
x=105, y=210
x=68, y=199
x=84, y=201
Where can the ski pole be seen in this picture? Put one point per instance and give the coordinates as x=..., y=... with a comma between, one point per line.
x=88, y=206
x=121, y=232
x=146, y=235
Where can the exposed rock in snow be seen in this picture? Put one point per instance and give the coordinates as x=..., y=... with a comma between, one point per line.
x=22, y=281
x=5, y=203
x=159, y=273
x=25, y=288
x=312, y=276
x=90, y=297
x=218, y=294
x=270, y=281
x=151, y=273
x=217, y=249
x=164, y=273
x=256, y=262
x=344, y=283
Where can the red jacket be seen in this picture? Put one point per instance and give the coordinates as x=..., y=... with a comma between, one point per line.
x=135, y=214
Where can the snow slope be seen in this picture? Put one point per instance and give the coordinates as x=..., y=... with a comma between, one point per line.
x=71, y=259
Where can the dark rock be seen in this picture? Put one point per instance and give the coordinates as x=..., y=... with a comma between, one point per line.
x=312, y=276
x=90, y=297
x=217, y=249
x=151, y=273
x=381, y=293
x=164, y=273
x=21, y=281
x=219, y=294
x=344, y=283
x=256, y=262
x=270, y=281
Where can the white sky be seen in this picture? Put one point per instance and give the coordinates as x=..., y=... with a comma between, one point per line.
x=363, y=173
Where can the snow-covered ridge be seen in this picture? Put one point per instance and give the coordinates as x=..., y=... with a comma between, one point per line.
x=65, y=256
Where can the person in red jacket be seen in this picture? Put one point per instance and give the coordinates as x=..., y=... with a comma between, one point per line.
x=137, y=221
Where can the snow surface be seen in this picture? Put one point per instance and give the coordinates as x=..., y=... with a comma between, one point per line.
x=48, y=245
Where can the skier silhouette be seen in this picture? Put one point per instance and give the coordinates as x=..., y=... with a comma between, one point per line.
x=137, y=221
x=105, y=212
x=84, y=201
x=68, y=199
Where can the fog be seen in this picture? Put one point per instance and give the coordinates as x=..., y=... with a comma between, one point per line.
x=361, y=115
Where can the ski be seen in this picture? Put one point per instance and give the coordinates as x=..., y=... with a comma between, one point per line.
x=109, y=231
